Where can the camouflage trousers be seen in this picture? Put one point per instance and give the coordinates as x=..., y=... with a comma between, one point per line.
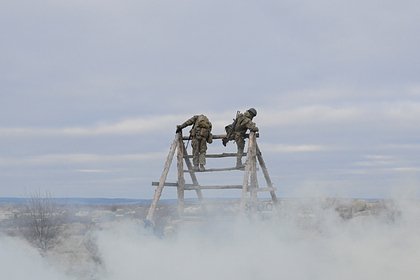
x=240, y=143
x=199, y=148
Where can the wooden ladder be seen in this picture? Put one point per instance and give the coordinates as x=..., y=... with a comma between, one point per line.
x=249, y=186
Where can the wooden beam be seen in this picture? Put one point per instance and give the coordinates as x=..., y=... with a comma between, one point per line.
x=221, y=136
x=191, y=187
x=253, y=168
x=192, y=174
x=214, y=169
x=170, y=184
x=223, y=155
x=266, y=175
x=245, y=182
x=181, y=180
x=159, y=188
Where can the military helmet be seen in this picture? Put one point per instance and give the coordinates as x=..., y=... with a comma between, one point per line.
x=252, y=111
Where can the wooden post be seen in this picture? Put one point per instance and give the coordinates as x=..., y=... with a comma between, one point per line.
x=158, y=191
x=192, y=173
x=245, y=184
x=266, y=175
x=253, y=169
x=181, y=179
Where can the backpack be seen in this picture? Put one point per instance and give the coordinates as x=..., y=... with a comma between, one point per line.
x=203, y=122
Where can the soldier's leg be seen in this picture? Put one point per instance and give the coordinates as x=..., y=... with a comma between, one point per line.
x=202, y=157
x=240, y=143
x=196, y=152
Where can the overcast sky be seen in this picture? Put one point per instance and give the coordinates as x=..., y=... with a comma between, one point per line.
x=91, y=92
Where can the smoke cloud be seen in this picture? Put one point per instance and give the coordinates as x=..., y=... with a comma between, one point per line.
x=306, y=240
x=315, y=245
x=20, y=261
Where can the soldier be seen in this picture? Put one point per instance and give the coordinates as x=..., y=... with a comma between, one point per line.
x=236, y=131
x=200, y=135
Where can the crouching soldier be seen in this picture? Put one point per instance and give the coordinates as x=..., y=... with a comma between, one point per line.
x=237, y=130
x=200, y=135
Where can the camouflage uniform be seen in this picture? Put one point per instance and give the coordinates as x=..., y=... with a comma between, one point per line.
x=243, y=123
x=200, y=135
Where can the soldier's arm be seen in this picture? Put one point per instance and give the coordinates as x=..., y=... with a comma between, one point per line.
x=185, y=124
x=189, y=122
x=251, y=126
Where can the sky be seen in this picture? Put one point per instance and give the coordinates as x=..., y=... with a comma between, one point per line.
x=91, y=93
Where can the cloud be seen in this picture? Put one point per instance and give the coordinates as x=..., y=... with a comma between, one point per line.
x=378, y=161
x=281, y=148
x=408, y=169
x=396, y=113
x=141, y=125
x=54, y=159
x=393, y=113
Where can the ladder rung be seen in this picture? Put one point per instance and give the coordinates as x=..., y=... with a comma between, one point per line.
x=188, y=187
x=223, y=155
x=221, y=136
x=214, y=187
x=215, y=169
x=169, y=184
x=197, y=187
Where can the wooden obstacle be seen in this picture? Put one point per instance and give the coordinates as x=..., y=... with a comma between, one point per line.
x=250, y=187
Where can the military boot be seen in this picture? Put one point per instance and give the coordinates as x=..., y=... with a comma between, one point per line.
x=201, y=168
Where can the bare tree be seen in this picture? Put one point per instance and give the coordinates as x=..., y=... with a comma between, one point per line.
x=41, y=221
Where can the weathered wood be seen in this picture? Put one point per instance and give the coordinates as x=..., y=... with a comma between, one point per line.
x=181, y=180
x=253, y=169
x=192, y=174
x=221, y=136
x=191, y=187
x=214, y=169
x=223, y=155
x=215, y=187
x=245, y=183
x=159, y=188
x=266, y=175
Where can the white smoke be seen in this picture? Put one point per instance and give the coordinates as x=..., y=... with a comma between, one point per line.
x=20, y=261
x=320, y=246
x=306, y=240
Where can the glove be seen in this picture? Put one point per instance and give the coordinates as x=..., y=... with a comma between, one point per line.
x=255, y=129
x=178, y=129
x=224, y=141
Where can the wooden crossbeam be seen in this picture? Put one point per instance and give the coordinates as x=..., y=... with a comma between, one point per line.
x=191, y=187
x=195, y=187
x=214, y=169
x=221, y=136
x=222, y=155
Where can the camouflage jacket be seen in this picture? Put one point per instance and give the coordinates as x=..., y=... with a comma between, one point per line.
x=201, y=127
x=244, y=122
